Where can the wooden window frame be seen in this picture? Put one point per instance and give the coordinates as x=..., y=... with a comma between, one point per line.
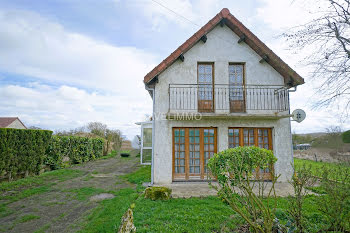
x=187, y=176
x=266, y=176
x=243, y=83
x=213, y=84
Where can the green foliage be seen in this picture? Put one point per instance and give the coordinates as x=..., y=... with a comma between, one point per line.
x=140, y=176
x=84, y=193
x=77, y=149
x=27, y=218
x=236, y=164
x=346, y=136
x=184, y=215
x=317, y=167
x=106, y=217
x=22, y=150
x=233, y=169
x=335, y=204
x=301, y=179
x=158, y=193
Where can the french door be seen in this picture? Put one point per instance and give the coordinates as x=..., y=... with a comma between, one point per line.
x=236, y=87
x=260, y=137
x=192, y=148
x=205, y=87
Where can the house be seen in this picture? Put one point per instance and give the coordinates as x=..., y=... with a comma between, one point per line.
x=11, y=122
x=222, y=88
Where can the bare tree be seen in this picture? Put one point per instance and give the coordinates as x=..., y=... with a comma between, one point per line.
x=326, y=39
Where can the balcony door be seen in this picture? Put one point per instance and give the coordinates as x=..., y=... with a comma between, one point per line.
x=205, y=87
x=192, y=148
x=236, y=87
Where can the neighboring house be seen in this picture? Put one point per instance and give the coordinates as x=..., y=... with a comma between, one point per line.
x=11, y=122
x=222, y=88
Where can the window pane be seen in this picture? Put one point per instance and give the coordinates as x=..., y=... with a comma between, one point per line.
x=147, y=137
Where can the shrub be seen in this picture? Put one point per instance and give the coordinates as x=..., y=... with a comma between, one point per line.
x=77, y=149
x=302, y=178
x=335, y=204
x=22, y=150
x=233, y=169
x=346, y=136
x=158, y=193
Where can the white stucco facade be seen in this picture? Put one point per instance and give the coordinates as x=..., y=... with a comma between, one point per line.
x=221, y=48
x=16, y=124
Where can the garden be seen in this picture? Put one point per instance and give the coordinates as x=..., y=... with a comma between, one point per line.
x=68, y=199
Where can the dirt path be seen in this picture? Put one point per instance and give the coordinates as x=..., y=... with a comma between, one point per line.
x=61, y=204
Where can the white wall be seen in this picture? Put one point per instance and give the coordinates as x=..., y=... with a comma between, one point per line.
x=221, y=48
x=16, y=125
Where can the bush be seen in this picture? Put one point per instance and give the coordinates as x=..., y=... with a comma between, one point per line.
x=346, y=136
x=158, y=193
x=234, y=170
x=77, y=149
x=335, y=204
x=22, y=150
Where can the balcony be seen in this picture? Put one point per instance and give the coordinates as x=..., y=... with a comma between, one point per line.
x=222, y=99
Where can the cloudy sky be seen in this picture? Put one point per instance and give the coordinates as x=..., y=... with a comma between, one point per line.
x=64, y=63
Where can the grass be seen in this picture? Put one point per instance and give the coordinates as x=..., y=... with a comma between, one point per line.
x=184, y=215
x=59, y=175
x=106, y=217
x=110, y=155
x=27, y=218
x=143, y=174
x=84, y=193
x=317, y=167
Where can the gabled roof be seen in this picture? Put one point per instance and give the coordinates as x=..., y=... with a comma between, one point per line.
x=6, y=121
x=291, y=78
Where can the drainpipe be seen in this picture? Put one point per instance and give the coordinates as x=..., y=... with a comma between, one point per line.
x=290, y=127
x=153, y=131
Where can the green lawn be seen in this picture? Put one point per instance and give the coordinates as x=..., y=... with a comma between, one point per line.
x=317, y=167
x=182, y=215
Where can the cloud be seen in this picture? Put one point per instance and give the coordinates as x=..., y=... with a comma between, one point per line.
x=71, y=63
x=66, y=107
x=33, y=46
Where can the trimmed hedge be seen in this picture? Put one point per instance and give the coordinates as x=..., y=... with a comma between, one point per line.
x=346, y=136
x=26, y=150
x=77, y=149
x=22, y=150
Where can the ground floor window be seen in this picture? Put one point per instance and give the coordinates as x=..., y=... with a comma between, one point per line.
x=192, y=148
x=260, y=137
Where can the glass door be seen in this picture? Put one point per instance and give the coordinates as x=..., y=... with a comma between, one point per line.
x=205, y=87
x=236, y=87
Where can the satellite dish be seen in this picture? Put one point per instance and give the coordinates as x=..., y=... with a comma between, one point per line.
x=298, y=115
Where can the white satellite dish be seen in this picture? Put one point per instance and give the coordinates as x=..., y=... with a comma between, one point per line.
x=298, y=115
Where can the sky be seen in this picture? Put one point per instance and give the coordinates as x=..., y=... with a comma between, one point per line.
x=64, y=63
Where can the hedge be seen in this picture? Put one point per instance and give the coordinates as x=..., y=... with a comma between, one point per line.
x=73, y=148
x=22, y=150
x=346, y=136
x=26, y=150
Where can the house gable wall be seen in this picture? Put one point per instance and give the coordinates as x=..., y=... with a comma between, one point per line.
x=221, y=48
x=16, y=125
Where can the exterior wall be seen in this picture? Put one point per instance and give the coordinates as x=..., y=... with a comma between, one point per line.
x=221, y=48
x=16, y=125
x=281, y=141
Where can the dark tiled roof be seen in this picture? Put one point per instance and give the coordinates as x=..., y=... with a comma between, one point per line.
x=291, y=78
x=6, y=121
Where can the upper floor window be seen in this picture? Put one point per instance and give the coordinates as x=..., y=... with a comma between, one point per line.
x=236, y=87
x=205, y=87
